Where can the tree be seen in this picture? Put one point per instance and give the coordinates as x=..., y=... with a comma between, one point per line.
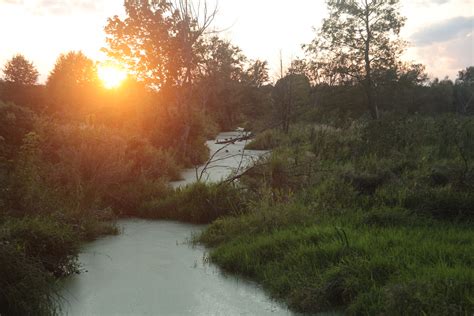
x=359, y=39
x=20, y=71
x=464, y=90
x=73, y=82
x=290, y=94
x=159, y=41
x=220, y=79
x=258, y=73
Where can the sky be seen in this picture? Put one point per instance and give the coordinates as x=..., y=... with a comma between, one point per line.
x=440, y=32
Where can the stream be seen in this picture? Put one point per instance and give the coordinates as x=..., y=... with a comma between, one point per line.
x=152, y=269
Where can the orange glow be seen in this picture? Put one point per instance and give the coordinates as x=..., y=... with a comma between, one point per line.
x=111, y=75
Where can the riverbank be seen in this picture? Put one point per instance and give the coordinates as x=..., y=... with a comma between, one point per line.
x=151, y=263
x=63, y=183
x=372, y=218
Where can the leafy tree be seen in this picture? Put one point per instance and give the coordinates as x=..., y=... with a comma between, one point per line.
x=357, y=40
x=222, y=59
x=290, y=94
x=464, y=90
x=220, y=80
x=72, y=82
x=20, y=71
x=258, y=73
x=400, y=88
x=466, y=75
x=256, y=95
x=158, y=40
x=441, y=96
x=19, y=84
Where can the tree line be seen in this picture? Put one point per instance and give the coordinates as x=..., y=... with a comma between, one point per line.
x=172, y=54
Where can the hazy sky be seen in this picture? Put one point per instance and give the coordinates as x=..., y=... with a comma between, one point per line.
x=440, y=31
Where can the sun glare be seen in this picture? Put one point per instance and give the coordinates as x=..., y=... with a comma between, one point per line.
x=111, y=76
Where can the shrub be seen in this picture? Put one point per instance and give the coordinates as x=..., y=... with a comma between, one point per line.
x=442, y=202
x=387, y=217
x=26, y=288
x=197, y=203
x=51, y=243
x=267, y=140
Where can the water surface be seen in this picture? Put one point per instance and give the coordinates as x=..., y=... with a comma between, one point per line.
x=226, y=159
x=150, y=269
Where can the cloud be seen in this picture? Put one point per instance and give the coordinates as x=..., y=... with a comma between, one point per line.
x=428, y=2
x=11, y=1
x=448, y=54
x=57, y=7
x=443, y=31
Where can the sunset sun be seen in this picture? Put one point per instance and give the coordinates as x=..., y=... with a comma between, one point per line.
x=111, y=75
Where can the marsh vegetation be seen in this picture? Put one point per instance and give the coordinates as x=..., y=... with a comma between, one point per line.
x=364, y=205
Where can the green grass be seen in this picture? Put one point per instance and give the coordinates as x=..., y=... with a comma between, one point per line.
x=358, y=268
x=196, y=203
x=373, y=219
x=266, y=140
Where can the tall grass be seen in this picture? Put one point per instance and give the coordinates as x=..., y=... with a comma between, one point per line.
x=197, y=203
x=373, y=218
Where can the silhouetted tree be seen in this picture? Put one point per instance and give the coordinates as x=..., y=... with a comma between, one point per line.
x=220, y=80
x=359, y=38
x=20, y=71
x=159, y=40
x=73, y=82
x=464, y=90
x=291, y=93
x=258, y=73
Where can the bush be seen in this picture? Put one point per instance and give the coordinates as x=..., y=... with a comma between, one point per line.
x=267, y=140
x=51, y=243
x=196, y=203
x=444, y=202
x=26, y=288
x=389, y=217
x=15, y=123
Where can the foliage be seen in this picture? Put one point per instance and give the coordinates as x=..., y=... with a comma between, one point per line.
x=369, y=218
x=83, y=167
x=363, y=216
x=53, y=244
x=15, y=123
x=196, y=203
x=20, y=71
x=464, y=90
x=72, y=84
x=219, y=83
x=166, y=46
x=358, y=40
x=290, y=94
x=26, y=288
x=323, y=267
x=160, y=36
x=267, y=140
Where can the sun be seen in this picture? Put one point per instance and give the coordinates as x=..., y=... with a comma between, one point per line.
x=111, y=75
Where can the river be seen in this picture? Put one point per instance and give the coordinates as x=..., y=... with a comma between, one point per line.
x=151, y=269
